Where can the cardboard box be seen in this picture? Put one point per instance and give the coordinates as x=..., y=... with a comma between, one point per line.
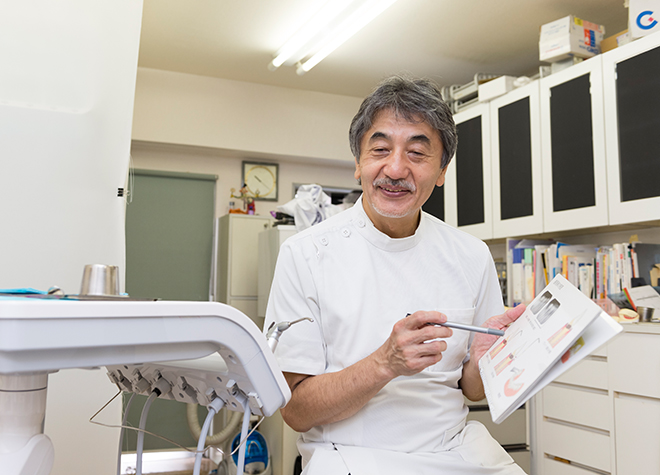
x=614, y=41
x=569, y=36
x=495, y=88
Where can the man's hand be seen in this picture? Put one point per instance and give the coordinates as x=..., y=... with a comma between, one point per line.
x=471, y=382
x=410, y=347
x=332, y=397
x=482, y=342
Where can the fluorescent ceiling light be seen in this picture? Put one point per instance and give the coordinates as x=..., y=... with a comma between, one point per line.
x=329, y=28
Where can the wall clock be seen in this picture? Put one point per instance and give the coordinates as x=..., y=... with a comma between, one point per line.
x=261, y=180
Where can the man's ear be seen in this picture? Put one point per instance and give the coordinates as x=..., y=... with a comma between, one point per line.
x=441, y=179
x=358, y=172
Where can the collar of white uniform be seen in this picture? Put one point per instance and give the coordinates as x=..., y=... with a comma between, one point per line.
x=379, y=239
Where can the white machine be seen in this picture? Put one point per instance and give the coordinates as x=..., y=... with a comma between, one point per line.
x=38, y=337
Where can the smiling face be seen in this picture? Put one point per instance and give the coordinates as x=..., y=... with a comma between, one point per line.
x=400, y=164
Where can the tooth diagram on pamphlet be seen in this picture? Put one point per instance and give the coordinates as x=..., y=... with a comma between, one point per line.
x=559, y=328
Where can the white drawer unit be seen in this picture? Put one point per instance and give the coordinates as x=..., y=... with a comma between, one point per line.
x=589, y=372
x=603, y=415
x=556, y=467
x=587, y=407
x=584, y=446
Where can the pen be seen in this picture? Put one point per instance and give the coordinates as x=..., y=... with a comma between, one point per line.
x=471, y=328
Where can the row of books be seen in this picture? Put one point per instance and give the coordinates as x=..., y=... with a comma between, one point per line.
x=598, y=271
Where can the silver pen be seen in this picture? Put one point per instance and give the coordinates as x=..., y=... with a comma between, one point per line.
x=470, y=328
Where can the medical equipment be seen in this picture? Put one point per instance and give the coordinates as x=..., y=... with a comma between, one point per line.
x=275, y=331
x=39, y=336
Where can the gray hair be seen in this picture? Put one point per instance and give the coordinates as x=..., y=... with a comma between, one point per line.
x=410, y=99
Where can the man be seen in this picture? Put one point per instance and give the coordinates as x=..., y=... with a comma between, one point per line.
x=375, y=391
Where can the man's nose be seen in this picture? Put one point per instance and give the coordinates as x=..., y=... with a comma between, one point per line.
x=397, y=165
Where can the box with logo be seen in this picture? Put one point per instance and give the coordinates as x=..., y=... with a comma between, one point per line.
x=643, y=17
x=569, y=36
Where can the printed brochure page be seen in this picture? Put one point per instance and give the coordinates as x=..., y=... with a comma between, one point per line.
x=545, y=339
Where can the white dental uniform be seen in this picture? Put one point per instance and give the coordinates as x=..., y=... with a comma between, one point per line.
x=356, y=283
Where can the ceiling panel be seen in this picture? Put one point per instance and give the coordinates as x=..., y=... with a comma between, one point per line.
x=446, y=40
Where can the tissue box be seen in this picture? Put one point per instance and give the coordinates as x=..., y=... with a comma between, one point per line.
x=569, y=36
x=495, y=88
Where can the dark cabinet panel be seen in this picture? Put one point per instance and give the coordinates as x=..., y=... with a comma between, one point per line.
x=435, y=205
x=638, y=112
x=470, y=173
x=515, y=160
x=573, y=181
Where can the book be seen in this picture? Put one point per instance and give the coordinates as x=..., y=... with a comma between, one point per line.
x=559, y=328
x=521, y=269
x=644, y=296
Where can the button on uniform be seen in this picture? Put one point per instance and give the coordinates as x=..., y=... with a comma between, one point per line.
x=345, y=232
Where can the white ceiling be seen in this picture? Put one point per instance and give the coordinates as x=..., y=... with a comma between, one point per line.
x=448, y=41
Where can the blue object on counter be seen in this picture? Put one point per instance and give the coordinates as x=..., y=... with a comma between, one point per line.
x=23, y=291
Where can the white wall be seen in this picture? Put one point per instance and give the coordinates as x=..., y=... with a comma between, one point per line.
x=178, y=108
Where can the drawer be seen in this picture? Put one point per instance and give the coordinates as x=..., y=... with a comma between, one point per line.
x=588, y=407
x=584, y=446
x=634, y=360
x=512, y=431
x=554, y=467
x=589, y=372
x=637, y=435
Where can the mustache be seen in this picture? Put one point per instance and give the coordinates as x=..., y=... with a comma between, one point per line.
x=395, y=183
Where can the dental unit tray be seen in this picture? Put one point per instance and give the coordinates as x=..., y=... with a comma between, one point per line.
x=226, y=356
x=49, y=335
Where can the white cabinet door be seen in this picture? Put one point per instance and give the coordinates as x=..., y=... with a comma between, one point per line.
x=637, y=434
x=244, y=254
x=516, y=167
x=631, y=80
x=573, y=152
x=468, y=203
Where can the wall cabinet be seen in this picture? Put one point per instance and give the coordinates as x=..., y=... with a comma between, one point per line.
x=603, y=414
x=573, y=148
x=577, y=149
x=516, y=166
x=631, y=76
x=237, y=254
x=468, y=180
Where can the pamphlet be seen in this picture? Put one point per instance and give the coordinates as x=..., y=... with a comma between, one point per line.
x=559, y=328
